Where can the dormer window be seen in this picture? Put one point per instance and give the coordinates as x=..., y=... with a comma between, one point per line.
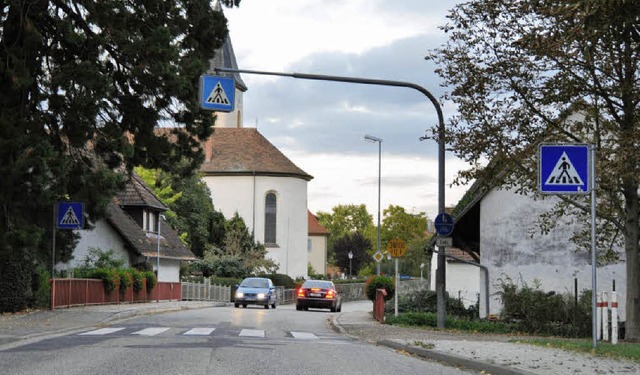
x=150, y=221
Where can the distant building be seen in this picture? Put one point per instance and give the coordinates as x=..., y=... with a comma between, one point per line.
x=131, y=231
x=317, y=247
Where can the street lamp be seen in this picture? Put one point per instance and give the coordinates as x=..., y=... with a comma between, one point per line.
x=370, y=138
x=350, y=257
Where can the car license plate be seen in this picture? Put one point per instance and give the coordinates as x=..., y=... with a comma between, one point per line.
x=315, y=294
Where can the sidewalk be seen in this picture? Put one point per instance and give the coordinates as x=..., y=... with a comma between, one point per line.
x=493, y=354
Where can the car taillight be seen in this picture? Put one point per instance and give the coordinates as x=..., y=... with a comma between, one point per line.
x=330, y=294
x=300, y=292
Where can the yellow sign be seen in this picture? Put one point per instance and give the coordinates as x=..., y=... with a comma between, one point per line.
x=378, y=256
x=396, y=247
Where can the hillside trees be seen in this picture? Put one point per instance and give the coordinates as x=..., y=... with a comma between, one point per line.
x=82, y=87
x=517, y=71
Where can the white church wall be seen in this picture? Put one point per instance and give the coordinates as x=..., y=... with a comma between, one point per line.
x=508, y=250
x=246, y=195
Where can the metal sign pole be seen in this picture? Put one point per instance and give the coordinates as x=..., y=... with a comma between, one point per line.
x=397, y=289
x=594, y=259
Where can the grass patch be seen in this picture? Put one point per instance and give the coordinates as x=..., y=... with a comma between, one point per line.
x=422, y=319
x=623, y=350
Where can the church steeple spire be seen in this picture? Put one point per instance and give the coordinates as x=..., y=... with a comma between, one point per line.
x=225, y=57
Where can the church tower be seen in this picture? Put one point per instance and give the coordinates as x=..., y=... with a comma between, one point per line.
x=226, y=58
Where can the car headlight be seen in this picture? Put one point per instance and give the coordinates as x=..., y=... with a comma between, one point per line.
x=261, y=295
x=239, y=294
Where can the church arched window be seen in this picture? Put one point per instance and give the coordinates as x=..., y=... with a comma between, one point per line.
x=270, y=211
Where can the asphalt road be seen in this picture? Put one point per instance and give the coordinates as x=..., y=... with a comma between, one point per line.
x=222, y=340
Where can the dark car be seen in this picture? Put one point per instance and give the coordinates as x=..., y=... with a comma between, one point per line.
x=318, y=294
x=256, y=291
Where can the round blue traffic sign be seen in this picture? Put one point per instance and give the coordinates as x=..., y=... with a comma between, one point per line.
x=444, y=224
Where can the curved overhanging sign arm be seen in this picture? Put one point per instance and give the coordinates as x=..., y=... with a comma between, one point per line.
x=440, y=274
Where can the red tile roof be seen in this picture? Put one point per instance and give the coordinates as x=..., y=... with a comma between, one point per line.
x=244, y=151
x=315, y=227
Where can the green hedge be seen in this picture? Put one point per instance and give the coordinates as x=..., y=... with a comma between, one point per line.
x=380, y=282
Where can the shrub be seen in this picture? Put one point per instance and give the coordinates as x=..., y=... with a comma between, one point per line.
x=427, y=301
x=380, y=282
x=125, y=279
x=541, y=312
x=151, y=279
x=138, y=279
x=42, y=289
x=280, y=279
x=109, y=276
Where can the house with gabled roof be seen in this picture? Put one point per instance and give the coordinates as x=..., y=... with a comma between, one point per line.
x=501, y=226
x=136, y=231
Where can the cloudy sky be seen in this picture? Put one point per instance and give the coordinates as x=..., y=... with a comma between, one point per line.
x=320, y=125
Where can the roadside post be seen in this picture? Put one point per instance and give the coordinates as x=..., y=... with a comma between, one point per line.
x=570, y=168
x=66, y=216
x=397, y=248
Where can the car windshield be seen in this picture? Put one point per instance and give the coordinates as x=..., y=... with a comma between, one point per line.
x=318, y=284
x=255, y=283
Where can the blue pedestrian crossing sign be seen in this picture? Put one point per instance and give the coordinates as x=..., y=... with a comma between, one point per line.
x=217, y=93
x=70, y=215
x=564, y=169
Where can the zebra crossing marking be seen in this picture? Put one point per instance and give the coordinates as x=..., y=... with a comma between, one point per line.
x=252, y=333
x=304, y=335
x=196, y=331
x=102, y=331
x=151, y=331
x=202, y=331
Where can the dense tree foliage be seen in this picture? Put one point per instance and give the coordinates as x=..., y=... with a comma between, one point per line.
x=359, y=247
x=524, y=72
x=83, y=84
x=345, y=219
x=239, y=255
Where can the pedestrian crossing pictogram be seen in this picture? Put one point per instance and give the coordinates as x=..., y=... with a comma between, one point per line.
x=218, y=96
x=564, y=169
x=70, y=217
x=217, y=93
x=564, y=173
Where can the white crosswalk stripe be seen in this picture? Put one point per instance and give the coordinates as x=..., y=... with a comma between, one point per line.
x=102, y=331
x=304, y=335
x=151, y=331
x=252, y=333
x=196, y=331
x=201, y=331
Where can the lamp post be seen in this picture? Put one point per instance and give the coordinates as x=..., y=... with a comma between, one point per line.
x=421, y=268
x=350, y=257
x=370, y=138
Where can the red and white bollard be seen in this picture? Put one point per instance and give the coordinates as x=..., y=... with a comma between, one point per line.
x=614, y=318
x=605, y=316
x=599, y=315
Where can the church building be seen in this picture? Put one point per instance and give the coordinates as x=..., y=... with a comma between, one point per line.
x=248, y=175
